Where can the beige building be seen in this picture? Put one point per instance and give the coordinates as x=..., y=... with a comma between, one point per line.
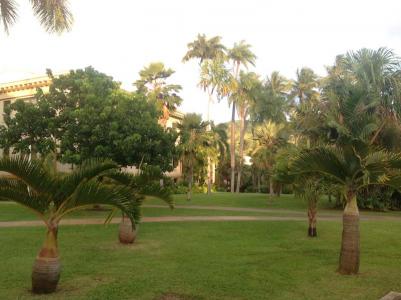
x=26, y=90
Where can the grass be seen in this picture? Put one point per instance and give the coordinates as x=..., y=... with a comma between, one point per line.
x=277, y=206
x=214, y=260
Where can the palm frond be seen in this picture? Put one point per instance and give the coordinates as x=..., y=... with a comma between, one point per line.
x=30, y=172
x=15, y=190
x=145, y=184
x=54, y=15
x=8, y=11
x=320, y=160
x=89, y=169
x=93, y=192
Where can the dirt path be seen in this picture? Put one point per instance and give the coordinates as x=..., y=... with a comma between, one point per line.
x=193, y=219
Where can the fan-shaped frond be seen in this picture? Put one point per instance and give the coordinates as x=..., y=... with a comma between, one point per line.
x=321, y=160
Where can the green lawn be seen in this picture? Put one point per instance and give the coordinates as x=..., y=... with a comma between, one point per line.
x=13, y=212
x=214, y=260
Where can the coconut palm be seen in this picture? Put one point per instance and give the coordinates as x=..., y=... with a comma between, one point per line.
x=240, y=55
x=52, y=195
x=54, y=16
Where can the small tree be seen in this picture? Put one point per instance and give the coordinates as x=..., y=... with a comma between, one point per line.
x=51, y=196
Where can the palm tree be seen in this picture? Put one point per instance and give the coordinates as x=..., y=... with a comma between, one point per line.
x=305, y=86
x=270, y=137
x=352, y=163
x=193, y=139
x=54, y=16
x=152, y=83
x=244, y=97
x=211, y=55
x=240, y=54
x=204, y=49
x=144, y=184
x=351, y=169
x=51, y=196
x=214, y=79
x=378, y=74
x=309, y=190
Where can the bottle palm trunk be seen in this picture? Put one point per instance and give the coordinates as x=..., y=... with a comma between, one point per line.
x=126, y=233
x=46, y=269
x=349, y=257
x=312, y=212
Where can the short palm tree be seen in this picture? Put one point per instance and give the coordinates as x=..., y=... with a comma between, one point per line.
x=142, y=185
x=51, y=196
x=54, y=16
x=351, y=168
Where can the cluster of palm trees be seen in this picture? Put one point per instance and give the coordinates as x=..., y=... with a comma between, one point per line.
x=338, y=134
x=341, y=136
x=221, y=76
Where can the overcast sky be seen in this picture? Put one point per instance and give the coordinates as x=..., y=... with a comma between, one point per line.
x=119, y=37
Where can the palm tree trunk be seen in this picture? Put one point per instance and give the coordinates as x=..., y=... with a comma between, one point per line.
x=126, y=233
x=349, y=257
x=241, y=150
x=312, y=212
x=232, y=149
x=271, y=188
x=191, y=179
x=46, y=269
x=209, y=161
x=259, y=188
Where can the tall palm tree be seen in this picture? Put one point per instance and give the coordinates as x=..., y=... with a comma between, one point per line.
x=214, y=79
x=54, y=16
x=51, y=196
x=211, y=55
x=305, y=86
x=244, y=97
x=204, y=49
x=240, y=55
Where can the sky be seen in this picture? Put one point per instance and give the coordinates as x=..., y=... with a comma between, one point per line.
x=120, y=37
